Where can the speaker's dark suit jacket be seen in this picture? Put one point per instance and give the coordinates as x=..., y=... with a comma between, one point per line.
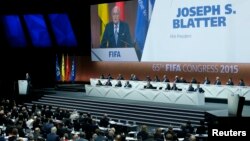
x=124, y=38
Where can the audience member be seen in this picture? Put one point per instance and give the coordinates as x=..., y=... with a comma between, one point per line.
x=143, y=134
x=53, y=136
x=201, y=129
x=158, y=136
x=104, y=122
x=171, y=131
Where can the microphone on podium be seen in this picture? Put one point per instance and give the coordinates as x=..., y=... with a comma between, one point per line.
x=127, y=44
x=107, y=44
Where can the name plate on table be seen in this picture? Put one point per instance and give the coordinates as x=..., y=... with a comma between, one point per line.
x=114, y=54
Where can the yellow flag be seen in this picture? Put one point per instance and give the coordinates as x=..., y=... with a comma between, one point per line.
x=103, y=14
x=62, y=68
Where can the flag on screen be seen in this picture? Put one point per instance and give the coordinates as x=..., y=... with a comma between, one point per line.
x=73, y=69
x=103, y=14
x=122, y=12
x=144, y=11
x=150, y=8
x=141, y=26
x=58, y=74
x=63, y=68
x=67, y=77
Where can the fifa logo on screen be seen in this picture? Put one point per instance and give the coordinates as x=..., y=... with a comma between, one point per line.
x=114, y=54
x=173, y=67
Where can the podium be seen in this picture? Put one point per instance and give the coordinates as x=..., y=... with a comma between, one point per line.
x=23, y=87
x=114, y=54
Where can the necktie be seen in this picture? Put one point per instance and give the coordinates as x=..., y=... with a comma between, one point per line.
x=116, y=34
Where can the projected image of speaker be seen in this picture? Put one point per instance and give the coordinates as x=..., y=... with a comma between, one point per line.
x=235, y=105
x=23, y=87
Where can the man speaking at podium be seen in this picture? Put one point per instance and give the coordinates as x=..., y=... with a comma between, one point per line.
x=116, y=33
x=28, y=78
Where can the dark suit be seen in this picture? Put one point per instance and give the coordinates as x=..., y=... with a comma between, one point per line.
x=190, y=89
x=124, y=37
x=118, y=85
x=53, y=137
x=217, y=82
x=200, y=90
x=127, y=85
x=230, y=83
x=206, y=82
x=150, y=86
x=104, y=122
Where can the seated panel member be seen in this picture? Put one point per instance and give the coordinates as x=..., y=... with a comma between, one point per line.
x=217, y=81
x=127, y=85
x=190, y=88
x=109, y=76
x=119, y=84
x=117, y=32
x=177, y=79
x=165, y=79
x=108, y=83
x=193, y=80
x=102, y=76
x=183, y=80
x=241, y=82
x=148, y=78
x=199, y=89
x=206, y=81
x=168, y=87
x=175, y=88
x=134, y=77
x=148, y=85
x=230, y=82
x=99, y=83
x=120, y=77
x=156, y=79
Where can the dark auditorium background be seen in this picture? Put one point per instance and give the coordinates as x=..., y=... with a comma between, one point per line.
x=40, y=62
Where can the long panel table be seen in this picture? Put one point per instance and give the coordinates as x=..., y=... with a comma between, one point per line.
x=150, y=95
x=211, y=91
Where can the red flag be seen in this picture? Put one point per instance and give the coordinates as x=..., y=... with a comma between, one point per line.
x=67, y=68
x=122, y=14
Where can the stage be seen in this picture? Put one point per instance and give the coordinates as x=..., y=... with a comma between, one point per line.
x=132, y=111
x=218, y=109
